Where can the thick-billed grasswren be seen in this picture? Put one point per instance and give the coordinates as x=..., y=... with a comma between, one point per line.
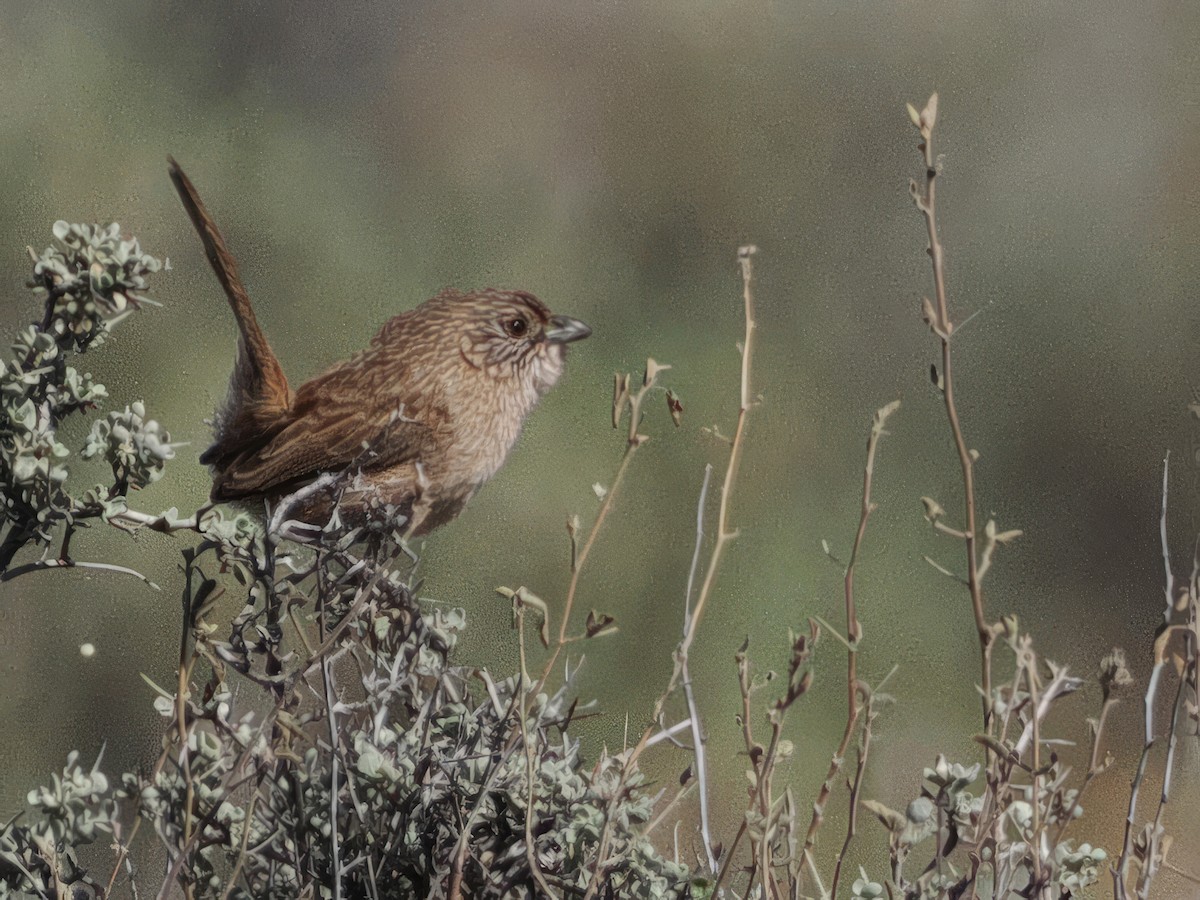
x=418, y=420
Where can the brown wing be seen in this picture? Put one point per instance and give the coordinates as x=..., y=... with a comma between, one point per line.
x=353, y=415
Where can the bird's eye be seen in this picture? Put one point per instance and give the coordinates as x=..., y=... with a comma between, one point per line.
x=516, y=326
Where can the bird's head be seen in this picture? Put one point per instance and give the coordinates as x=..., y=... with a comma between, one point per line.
x=511, y=335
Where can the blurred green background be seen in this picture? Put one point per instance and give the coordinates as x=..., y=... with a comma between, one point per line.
x=611, y=157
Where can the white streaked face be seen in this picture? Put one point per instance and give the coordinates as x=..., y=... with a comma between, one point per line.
x=516, y=338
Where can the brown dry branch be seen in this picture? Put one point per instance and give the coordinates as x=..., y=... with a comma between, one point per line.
x=937, y=315
x=724, y=534
x=1012, y=833
x=773, y=822
x=535, y=867
x=870, y=712
x=623, y=399
x=1175, y=648
x=978, y=560
x=854, y=688
x=770, y=823
x=689, y=695
x=1112, y=675
x=42, y=565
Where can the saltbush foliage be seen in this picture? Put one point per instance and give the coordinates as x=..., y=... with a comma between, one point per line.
x=88, y=280
x=421, y=778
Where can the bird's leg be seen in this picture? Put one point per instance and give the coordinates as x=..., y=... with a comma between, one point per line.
x=301, y=530
x=422, y=503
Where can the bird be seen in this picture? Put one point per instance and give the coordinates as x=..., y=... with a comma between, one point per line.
x=414, y=424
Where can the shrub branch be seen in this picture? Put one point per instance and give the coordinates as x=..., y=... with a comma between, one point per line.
x=938, y=316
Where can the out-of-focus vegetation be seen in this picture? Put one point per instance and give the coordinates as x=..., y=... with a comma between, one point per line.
x=608, y=159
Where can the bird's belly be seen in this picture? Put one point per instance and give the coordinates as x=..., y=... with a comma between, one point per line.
x=472, y=458
x=430, y=491
x=381, y=495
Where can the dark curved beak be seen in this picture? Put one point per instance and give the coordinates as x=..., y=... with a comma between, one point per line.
x=564, y=329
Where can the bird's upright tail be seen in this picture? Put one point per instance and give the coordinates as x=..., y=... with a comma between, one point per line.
x=259, y=395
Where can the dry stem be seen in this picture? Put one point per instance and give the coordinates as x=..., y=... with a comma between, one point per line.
x=723, y=536
x=1152, y=852
x=634, y=439
x=853, y=634
x=944, y=328
x=698, y=738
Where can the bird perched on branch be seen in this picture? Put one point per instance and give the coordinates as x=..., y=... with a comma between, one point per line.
x=419, y=419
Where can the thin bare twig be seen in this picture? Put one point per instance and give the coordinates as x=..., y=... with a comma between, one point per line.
x=764, y=762
x=1095, y=767
x=667, y=734
x=44, y=564
x=531, y=859
x=634, y=439
x=698, y=738
x=335, y=863
x=723, y=536
x=241, y=858
x=943, y=327
x=1169, y=576
x=724, y=533
x=1155, y=844
x=1150, y=855
x=856, y=784
x=181, y=716
x=853, y=634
